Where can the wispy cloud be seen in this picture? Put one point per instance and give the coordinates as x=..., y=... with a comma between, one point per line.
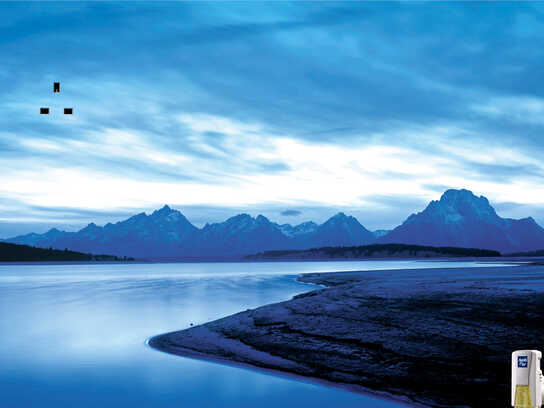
x=291, y=213
x=223, y=106
x=522, y=109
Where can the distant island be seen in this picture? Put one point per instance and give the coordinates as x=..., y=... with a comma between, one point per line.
x=26, y=253
x=376, y=251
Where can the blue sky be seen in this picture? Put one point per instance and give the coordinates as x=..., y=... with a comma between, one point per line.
x=293, y=110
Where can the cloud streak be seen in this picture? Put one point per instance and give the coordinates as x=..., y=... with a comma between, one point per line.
x=291, y=213
x=356, y=106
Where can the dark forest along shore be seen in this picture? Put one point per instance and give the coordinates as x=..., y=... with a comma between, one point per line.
x=434, y=337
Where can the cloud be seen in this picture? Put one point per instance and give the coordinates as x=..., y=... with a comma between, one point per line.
x=291, y=213
x=230, y=106
x=397, y=202
x=522, y=109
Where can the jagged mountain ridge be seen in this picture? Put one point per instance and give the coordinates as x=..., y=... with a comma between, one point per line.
x=154, y=235
x=167, y=233
x=458, y=219
x=462, y=219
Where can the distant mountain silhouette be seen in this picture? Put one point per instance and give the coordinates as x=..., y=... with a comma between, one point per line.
x=462, y=219
x=339, y=230
x=458, y=219
x=166, y=233
x=157, y=235
x=238, y=235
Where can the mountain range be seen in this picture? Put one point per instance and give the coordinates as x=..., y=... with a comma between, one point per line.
x=458, y=219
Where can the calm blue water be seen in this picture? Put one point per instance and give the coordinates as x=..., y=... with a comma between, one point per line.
x=74, y=335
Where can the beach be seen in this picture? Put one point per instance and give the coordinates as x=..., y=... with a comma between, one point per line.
x=425, y=337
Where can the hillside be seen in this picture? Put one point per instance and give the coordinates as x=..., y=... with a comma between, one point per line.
x=25, y=253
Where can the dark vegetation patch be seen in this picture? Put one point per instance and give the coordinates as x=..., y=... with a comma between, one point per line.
x=377, y=250
x=25, y=253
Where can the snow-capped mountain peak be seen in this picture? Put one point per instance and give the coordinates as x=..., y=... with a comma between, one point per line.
x=466, y=204
x=462, y=219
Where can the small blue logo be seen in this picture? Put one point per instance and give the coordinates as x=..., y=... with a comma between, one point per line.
x=523, y=361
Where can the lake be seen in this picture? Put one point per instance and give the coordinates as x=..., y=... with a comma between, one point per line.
x=74, y=335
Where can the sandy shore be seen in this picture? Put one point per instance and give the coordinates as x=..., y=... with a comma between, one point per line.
x=431, y=337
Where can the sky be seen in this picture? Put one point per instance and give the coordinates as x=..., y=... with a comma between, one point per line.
x=293, y=110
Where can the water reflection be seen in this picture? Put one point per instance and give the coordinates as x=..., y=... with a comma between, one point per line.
x=73, y=335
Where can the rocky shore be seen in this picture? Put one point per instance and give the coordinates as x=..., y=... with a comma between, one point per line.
x=431, y=337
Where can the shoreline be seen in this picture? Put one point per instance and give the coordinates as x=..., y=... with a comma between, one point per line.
x=482, y=260
x=156, y=344
x=405, y=335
